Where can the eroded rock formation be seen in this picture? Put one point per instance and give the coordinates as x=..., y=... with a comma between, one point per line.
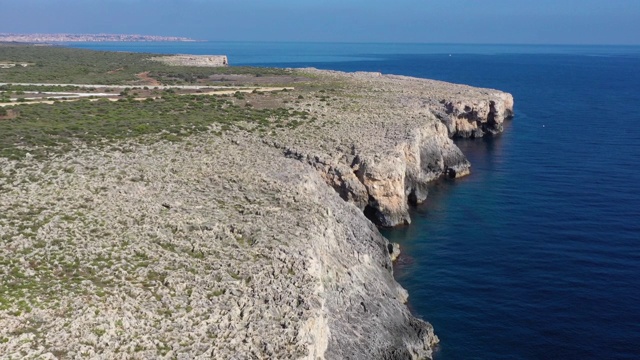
x=473, y=118
x=382, y=175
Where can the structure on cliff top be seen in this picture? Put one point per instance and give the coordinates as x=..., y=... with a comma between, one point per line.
x=194, y=60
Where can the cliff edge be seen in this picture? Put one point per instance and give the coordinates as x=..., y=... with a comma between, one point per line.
x=392, y=136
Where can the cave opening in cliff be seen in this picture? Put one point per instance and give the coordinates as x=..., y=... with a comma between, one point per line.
x=371, y=213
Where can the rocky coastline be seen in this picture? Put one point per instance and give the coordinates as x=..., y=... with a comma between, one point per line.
x=384, y=179
x=245, y=244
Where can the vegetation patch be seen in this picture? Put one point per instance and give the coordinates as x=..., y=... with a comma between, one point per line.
x=62, y=65
x=42, y=128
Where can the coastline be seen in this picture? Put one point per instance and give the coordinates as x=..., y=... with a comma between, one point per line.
x=266, y=230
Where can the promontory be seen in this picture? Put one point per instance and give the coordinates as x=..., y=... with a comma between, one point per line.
x=163, y=211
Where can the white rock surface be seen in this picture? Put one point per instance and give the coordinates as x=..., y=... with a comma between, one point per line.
x=193, y=60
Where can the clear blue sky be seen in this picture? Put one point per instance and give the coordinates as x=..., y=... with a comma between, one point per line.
x=430, y=21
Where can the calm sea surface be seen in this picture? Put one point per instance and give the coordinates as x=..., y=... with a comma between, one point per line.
x=536, y=254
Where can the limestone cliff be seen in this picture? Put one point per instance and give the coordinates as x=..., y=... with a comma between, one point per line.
x=246, y=255
x=382, y=161
x=473, y=118
x=383, y=185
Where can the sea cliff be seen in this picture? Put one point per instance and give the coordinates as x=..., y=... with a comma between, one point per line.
x=385, y=148
x=239, y=244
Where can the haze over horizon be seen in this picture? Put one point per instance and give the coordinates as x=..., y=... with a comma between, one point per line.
x=420, y=21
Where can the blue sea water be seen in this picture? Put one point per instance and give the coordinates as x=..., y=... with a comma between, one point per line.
x=536, y=254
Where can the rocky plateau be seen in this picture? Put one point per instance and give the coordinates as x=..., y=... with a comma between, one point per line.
x=240, y=245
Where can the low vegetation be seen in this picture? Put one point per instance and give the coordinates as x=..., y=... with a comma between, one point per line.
x=53, y=64
x=40, y=129
x=134, y=224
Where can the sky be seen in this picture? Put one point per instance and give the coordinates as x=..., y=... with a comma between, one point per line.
x=417, y=21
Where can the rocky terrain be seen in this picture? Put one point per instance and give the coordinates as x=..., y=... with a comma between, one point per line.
x=386, y=143
x=237, y=244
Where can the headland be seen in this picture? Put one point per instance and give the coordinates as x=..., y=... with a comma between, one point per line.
x=175, y=223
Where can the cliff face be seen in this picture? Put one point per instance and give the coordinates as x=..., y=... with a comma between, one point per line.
x=384, y=185
x=407, y=142
x=473, y=118
x=358, y=291
x=400, y=178
x=223, y=248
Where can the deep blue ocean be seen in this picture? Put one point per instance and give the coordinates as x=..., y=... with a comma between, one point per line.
x=536, y=254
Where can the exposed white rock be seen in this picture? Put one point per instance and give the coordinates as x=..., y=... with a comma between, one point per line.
x=394, y=132
x=193, y=60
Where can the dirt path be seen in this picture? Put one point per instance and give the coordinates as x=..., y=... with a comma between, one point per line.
x=115, y=71
x=213, y=92
x=161, y=87
x=147, y=80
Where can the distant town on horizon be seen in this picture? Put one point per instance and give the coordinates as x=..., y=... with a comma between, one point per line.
x=45, y=38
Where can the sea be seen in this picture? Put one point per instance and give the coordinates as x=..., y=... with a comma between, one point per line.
x=536, y=254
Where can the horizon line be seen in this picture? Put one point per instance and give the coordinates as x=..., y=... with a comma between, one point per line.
x=191, y=40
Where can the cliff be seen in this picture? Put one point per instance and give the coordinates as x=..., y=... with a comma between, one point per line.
x=238, y=244
x=387, y=148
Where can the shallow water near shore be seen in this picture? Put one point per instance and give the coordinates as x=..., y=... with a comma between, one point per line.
x=536, y=254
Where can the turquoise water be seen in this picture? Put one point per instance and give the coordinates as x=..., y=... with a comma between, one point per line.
x=536, y=254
